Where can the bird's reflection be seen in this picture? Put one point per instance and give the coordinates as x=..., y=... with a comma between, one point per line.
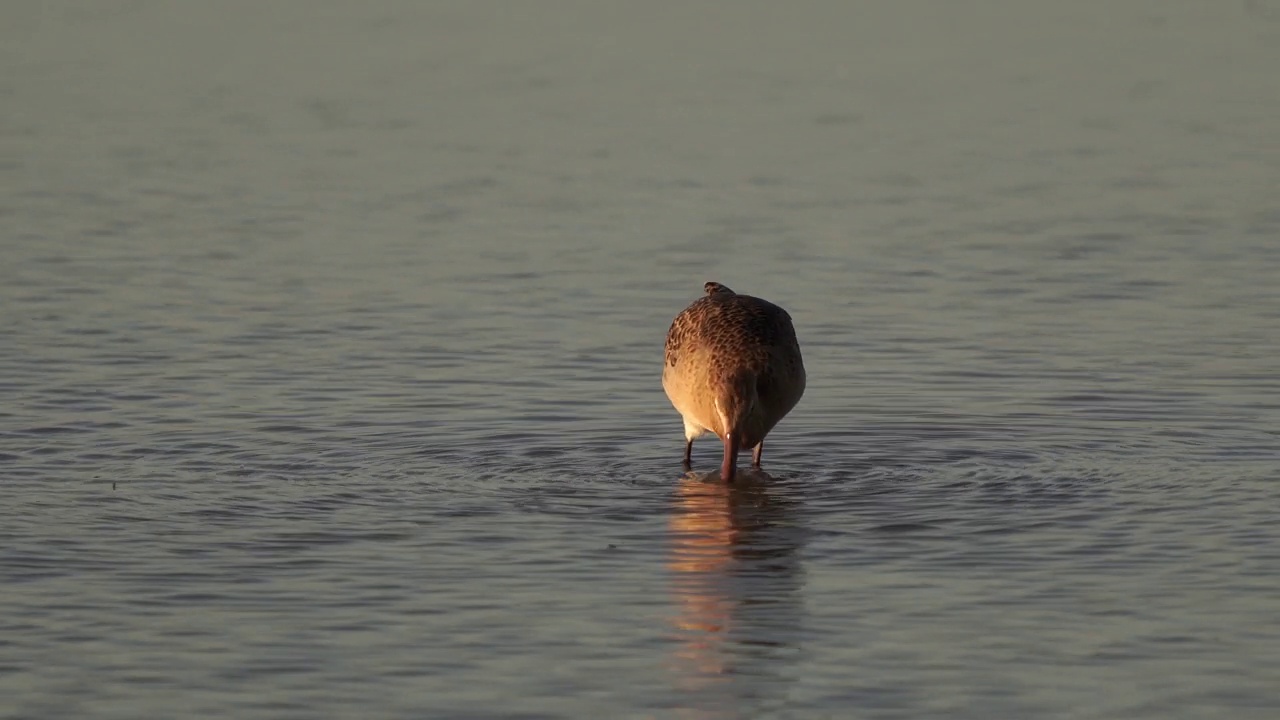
x=736, y=582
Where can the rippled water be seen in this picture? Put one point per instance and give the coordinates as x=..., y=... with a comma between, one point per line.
x=330, y=346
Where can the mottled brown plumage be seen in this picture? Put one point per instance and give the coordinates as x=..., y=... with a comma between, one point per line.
x=732, y=367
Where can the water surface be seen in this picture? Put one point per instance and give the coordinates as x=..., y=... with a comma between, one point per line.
x=330, y=346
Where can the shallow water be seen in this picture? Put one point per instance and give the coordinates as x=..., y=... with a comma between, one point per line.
x=330, y=346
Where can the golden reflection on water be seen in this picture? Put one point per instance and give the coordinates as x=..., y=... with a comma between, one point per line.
x=735, y=586
x=702, y=542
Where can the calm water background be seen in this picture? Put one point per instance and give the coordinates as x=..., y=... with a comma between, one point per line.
x=330, y=341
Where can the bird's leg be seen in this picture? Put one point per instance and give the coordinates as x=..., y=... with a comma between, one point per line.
x=756, y=453
x=730, y=462
x=688, y=455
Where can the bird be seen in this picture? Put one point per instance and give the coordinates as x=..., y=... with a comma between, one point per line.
x=732, y=366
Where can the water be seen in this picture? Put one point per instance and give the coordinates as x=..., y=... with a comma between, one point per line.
x=330, y=345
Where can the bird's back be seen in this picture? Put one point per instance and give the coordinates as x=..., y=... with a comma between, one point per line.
x=735, y=331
